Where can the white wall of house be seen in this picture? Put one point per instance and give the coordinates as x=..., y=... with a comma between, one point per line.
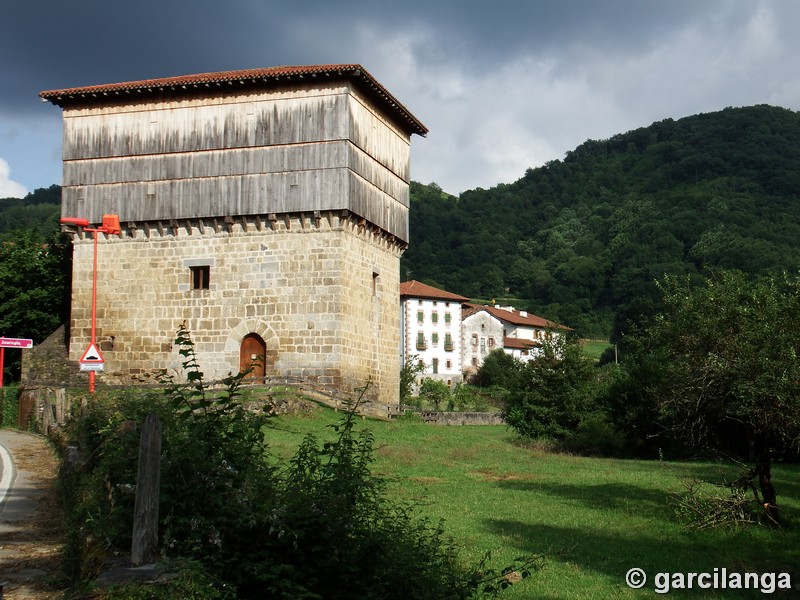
x=482, y=333
x=524, y=355
x=432, y=334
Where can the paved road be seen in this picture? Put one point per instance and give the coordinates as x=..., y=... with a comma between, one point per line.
x=29, y=543
x=18, y=494
x=7, y=475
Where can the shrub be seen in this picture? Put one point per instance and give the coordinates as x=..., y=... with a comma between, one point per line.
x=321, y=527
x=498, y=369
x=408, y=376
x=435, y=391
x=334, y=534
x=553, y=393
x=469, y=398
x=595, y=436
x=9, y=406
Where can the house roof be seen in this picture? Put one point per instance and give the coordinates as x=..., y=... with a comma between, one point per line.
x=468, y=310
x=417, y=289
x=514, y=317
x=520, y=344
x=211, y=83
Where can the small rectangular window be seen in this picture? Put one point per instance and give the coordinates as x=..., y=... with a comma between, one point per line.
x=435, y=339
x=420, y=316
x=200, y=277
x=447, y=318
x=434, y=317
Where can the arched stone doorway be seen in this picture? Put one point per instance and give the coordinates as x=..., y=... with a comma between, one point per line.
x=253, y=354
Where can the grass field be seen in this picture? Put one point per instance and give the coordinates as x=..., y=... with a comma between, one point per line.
x=595, y=348
x=592, y=519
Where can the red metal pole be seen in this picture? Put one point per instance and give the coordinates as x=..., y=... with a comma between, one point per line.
x=2, y=363
x=110, y=226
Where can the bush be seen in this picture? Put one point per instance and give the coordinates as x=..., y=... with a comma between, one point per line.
x=9, y=406
x=469, y=398
x=321, y=527
x=595, y=436
x=499, y=369
x=408, y=376
x=552, y=394
x=435, y=391
x=335, y=535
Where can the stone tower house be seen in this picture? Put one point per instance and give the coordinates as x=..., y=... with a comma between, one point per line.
x=266, y=209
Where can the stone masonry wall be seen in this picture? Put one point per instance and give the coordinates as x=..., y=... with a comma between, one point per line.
x=321, y=290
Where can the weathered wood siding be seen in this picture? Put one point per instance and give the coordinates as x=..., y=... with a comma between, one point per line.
x=316, y=148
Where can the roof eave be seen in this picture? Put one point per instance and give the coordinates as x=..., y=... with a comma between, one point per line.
x=251, y=78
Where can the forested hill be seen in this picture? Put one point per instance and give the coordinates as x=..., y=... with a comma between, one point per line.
x=582, y=240
x=39, y=210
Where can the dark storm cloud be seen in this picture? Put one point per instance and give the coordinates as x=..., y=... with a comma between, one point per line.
x=49, y=44
x=502, y=85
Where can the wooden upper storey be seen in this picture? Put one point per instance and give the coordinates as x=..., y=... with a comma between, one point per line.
x=205, y=84
x=291, y=139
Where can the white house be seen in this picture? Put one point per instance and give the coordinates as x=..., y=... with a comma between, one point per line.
x=523, y=333
x=481, y=333
x=430, y=322
x=451, y=336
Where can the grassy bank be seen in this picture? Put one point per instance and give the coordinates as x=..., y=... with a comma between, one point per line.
x=593, y=519
x=595, y=348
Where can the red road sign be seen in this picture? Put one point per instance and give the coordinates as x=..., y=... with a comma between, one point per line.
x=92, y=360
x=15, y=343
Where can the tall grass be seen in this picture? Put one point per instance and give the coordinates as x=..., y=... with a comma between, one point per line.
x=594, y=519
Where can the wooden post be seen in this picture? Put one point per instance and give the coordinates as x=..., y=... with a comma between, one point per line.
x=144, y=546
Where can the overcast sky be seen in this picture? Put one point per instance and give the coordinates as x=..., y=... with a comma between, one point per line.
x=502, y=85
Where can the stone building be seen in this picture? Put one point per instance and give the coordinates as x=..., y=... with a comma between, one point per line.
x=266, y=209
x=482, y=333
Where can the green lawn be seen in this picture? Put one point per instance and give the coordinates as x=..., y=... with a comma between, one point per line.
x=595, y=348
x=592, y=519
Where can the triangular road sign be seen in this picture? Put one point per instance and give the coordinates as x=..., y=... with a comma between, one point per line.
x=92, y=356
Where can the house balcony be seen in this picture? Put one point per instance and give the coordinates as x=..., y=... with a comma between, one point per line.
x=422, y=346
x=448, y=347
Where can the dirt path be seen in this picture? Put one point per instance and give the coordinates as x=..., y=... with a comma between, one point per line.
x=29, y=533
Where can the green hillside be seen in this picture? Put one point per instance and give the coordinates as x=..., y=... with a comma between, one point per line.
x=38, y=211
x=581, y=240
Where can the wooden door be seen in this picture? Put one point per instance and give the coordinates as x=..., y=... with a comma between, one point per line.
x=252, y=354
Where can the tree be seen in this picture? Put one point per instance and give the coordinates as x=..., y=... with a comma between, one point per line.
x=553, y=393
x=408, y=376
x=34, y=298
x=434, y=390
x=729, y=358
x=499, y=369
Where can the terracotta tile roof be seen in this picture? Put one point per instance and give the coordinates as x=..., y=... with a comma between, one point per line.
x=520, y=344
x=516, y=317
x=417, y=289
x=226, y=80
x=468, y=310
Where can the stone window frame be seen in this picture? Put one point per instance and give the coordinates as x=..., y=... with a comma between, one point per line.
x=199, y=274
